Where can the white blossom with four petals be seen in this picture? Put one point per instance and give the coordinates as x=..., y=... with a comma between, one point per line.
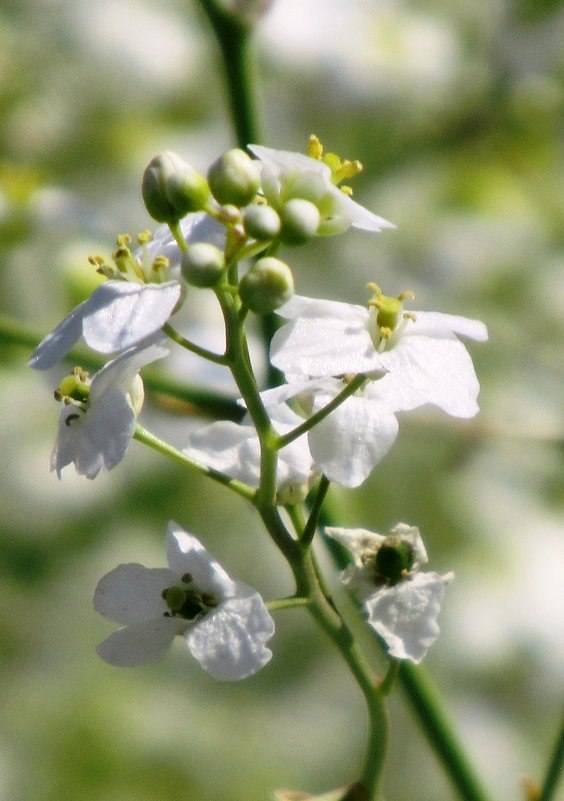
x=404, y=614
x=227, y=636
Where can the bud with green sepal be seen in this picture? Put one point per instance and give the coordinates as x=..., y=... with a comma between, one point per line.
x=234, y=178
x=203, y=264
x=300, y=221
x=267, y=285
x=261, y=221
x=171, y=188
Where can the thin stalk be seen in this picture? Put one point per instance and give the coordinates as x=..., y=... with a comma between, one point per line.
x=142, y=435
x=554, y=770
x=316, y=418
x=216, y=358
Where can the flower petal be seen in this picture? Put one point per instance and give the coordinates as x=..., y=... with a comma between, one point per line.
x=324, y=338
x=126, y=314
x=350, y=442
x=229, y=643
x=405, y=616
x=57, y=344
x=186, y=554
x=140, y=643
x=132, y=593
x=96, y=438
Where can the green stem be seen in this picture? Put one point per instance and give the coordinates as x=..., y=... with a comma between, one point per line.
x=142, y=435
x=286, y=603
x=423, y=695
x=554, y=771
x=313, y=519
x=234, y=41
x=216, y=358
x=316, y=418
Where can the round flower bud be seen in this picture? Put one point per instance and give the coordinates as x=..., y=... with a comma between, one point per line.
x=171, y=188
x=234, y=178
x=267, y=285
x=261, y=222
x=203, y=264
x=300, y=221
x=188, y=191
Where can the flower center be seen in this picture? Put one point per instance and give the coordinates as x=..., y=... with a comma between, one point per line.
x=340, y=169
x=125, y=266
x=391, y=563
x=387, y=318
x=74, y=389
x=186, y=601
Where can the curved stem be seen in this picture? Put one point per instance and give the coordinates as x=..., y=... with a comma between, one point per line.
x=142, y=435
x=216, y=358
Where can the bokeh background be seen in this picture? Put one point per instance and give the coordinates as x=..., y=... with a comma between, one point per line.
x=456, y=111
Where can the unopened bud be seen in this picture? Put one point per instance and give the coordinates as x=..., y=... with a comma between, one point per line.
x=300, y=221
x=261, y=222
x=267, y=285
x=203, y=264
x=171, y=188
x=234, y=178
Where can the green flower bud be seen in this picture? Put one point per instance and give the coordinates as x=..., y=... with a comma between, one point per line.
x=234, y=178
x=171, y=188
x=261, y=222
x=393, y=559
x=203, y=264
x=300, y=221
x=267, y=285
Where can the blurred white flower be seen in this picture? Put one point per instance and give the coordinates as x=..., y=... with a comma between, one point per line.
x=95, y=430
x=224, y=622
x=287, y=175
x=235, y=450
x=401, y=604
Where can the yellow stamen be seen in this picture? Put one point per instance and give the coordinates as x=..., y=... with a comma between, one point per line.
x=314, y=148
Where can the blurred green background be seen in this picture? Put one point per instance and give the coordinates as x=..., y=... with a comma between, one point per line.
x=456, y=111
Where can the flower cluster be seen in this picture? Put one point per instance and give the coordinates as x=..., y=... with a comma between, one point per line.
x=349, y=370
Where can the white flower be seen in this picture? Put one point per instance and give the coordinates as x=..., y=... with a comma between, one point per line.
x=420, y=354
x=123, y=313
x=224, y=622
x=234, y=450
x=401, y=604
x=96, y=432
x=287, y=175
x=348, y=443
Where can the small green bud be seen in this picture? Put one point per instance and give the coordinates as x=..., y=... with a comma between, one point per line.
x=171, y=188
x=300, y=221
x=203, y=264
x=234, y=178
x=394, y=557
x=261, y=222
x=267, y=285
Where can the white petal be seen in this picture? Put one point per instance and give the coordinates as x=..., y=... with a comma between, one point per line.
x=326, y=338
x=186, y=554
x=431, y=323
x=126, y=314
x=57, y=344
x=140, y=643
x=228, y=447
x=350, y=442
x=405, y=616
x=121, y=371
x=97, y=438
x=356, y=540
x=229, y=643
x=438, y=370
x=132, y=593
